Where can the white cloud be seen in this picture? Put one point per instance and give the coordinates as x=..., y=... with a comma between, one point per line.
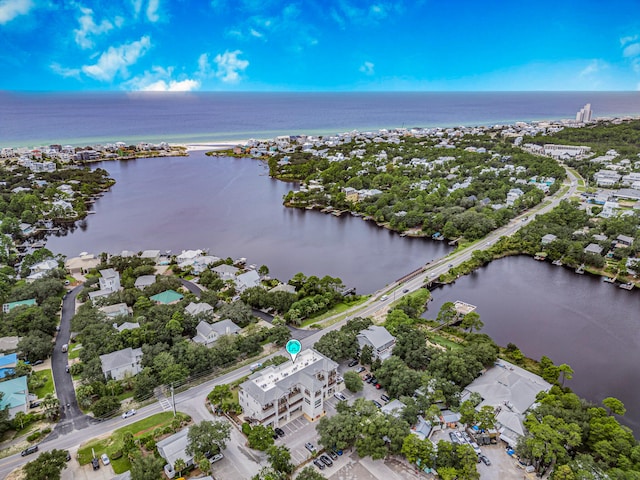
x=152, y=10
x=632, y=50
x=172, y=86
x=629, y=39
x=64, y=71
x=89, y=28
x=10, y=9
x=368, y=68
x=255, y=33
x=229, y=66
x=594, y=67
x=116, y=60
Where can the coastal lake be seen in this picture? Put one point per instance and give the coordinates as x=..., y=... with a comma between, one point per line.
x=232, y=208
x=576, y=319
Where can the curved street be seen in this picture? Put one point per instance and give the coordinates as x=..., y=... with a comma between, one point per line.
x=75, y=427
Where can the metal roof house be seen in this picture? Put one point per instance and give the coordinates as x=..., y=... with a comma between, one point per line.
x=379, y=339
x=119, y=364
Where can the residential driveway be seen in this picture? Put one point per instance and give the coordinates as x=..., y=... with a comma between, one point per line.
x=75, y=471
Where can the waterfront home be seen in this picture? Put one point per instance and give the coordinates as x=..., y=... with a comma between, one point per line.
x=15, y=396
x=173, y=448
x=548, y=238
x=41, y=270
x=511, y=391
x=109, y=280
x=209, y=333
x=593, y=248
x=379, y=339
x=283, y=287
x=276, y=395
x=194, y=309
x=122, y=363
x=226, y=272
x=117, y=310
x=152, y=254
x=144, y=281
x=7, y=307
x=168, y=297
x=187, y=255
x=247, y=280
x=82, y=264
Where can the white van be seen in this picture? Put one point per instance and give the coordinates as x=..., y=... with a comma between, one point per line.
x=65, y=347
x=384, y=297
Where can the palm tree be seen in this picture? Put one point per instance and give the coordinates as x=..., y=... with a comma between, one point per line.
x=179, y=466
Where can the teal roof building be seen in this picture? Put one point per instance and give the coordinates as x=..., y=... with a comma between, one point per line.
x=167, y=297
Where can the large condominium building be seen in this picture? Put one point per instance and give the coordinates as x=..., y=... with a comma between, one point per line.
x=584, y=115
x=276, y=395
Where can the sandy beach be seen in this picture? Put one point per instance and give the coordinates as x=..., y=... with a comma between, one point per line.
x=214, y=145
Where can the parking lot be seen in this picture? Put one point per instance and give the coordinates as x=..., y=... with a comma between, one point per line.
x=502, y=465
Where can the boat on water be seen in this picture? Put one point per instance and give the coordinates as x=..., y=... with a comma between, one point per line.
x=609, y=279
x=626, y=286
x=557, y=262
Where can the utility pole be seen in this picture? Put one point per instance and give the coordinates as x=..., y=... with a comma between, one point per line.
x=173, y=401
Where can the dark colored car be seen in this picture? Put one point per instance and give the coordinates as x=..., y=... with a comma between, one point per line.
x=29, y=450
x=360, y=369
x=332, y=454
x=68, y=457
x=279, y=431
x=485, y=460
x=384, y=398
x=95, y=463
x=406, y=290
x=337, y=451
x=326, y=460
x=318, y=464
x=34, y=404
x=353, y=363
x=377, y=404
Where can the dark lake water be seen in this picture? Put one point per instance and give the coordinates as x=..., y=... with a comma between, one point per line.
x=232, y=208
x=576, y=319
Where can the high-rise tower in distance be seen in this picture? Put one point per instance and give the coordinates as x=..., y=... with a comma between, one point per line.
x=584, y=115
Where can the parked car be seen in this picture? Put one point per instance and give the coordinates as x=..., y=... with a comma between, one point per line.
x=279, y=431
x=332, y=454
x=378, y=386
x=360, y=369
x=129, y=413
x=217, y=457
x=353, y=363
x=95, y=463
x=34, y=404
x=340, y=396
x=68, y=457
x=337, y=451
x=340, y=379
x=66, y=369
x=318, y=464
x=366, y=377
x=377, y=404
x=326, y=460
x=105, y=459
x=485, y=459
x=406, y=290
x=29, y=450
x=384, y=398
x=310, y=447
x=38, y=362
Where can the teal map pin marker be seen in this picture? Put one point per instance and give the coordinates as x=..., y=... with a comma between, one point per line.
x=293, y=348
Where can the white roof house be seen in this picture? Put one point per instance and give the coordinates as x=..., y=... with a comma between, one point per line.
x=209, y=333
x=226, y=272
x=172, y=448
x=379, y=339
x=119, y=364
x=247, y=280
x=116, y=310
x=199, y=308
x=144, y=281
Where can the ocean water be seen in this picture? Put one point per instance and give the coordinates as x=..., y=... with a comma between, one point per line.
x=30, y=119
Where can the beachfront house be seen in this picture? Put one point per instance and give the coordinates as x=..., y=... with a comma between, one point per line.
x=226, y=272
x=247, y=280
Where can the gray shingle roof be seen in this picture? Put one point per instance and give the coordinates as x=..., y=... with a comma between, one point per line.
x=377, y=336
x=120, y=358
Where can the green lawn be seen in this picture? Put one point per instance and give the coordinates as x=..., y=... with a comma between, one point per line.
x=113, y=443
x=48, y=386
x=339, y=308
x=75, y=351
x=445, y=342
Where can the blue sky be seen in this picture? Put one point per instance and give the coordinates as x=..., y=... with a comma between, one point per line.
x=329, y=45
